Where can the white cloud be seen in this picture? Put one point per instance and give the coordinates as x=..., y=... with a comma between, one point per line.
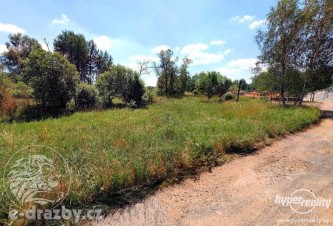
x=217, y=42
x=193, y=48
x=149, y=79
x=158, y=49
x=197, y=53
x=200, y=58
x=257, y=23
x=103, y=42
x=3, y=48
x=11, y=28
x=239, y=68
x=243, y=63
x=228, y=51
x=242, y=19
x=64, y=20
x=229, y=71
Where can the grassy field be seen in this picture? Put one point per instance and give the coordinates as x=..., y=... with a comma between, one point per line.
x=111, y=150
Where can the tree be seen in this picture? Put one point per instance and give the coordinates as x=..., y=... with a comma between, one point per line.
x=120, y=82
x=321, y=78
x=166, y=71
x=265, y=81
x=19, y=48
x=144, y=66
x=53, y=79
x=208, y=83
x=134, y=89
x=184, y=77
x=191, y=83
x=298, y=46
x=279, y=44
x=74, y=48
x=224, y=84
x=98, y=61
x=89, y=61
x=317, y=45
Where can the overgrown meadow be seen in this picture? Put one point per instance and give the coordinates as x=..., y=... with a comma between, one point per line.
x=108, y=151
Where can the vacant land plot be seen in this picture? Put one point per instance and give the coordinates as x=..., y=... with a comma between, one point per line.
x=111, y=150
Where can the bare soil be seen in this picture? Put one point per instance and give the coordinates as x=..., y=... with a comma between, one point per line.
x=243, y=191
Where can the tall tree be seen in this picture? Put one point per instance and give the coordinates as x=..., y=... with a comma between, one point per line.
x=166, y=71
x=89, y=61
x=98, y=61
x=279, y=44
x=316, y=44
x=18, y=49
x=184, y=76
x=74, y=48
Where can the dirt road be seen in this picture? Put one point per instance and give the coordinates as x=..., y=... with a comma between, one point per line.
x=246, y=190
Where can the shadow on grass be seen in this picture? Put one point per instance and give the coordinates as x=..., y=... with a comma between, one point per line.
x=36, y=113
x=241, y=151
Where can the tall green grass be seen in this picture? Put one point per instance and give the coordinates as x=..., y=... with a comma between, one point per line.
x=111, y=150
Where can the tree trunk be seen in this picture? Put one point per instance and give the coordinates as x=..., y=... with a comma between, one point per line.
x=282, y=98
x=301, y=96
x=313, y=96
x=239, y=87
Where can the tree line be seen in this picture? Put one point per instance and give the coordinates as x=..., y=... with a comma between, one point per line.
x=76, y=75
x=175, y=80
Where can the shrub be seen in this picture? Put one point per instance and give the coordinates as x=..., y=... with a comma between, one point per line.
x=120, y=82
x=15, y=98
x=86, y=97
x=229, y=96
x=133, y=90
x=8, y=105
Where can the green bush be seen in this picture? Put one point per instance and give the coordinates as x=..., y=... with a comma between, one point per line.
x=86, y=97
x=53, y=79
x=228, y=96
x=120, y=82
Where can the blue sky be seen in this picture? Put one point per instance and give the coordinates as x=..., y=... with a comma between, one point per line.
x=215, y=34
